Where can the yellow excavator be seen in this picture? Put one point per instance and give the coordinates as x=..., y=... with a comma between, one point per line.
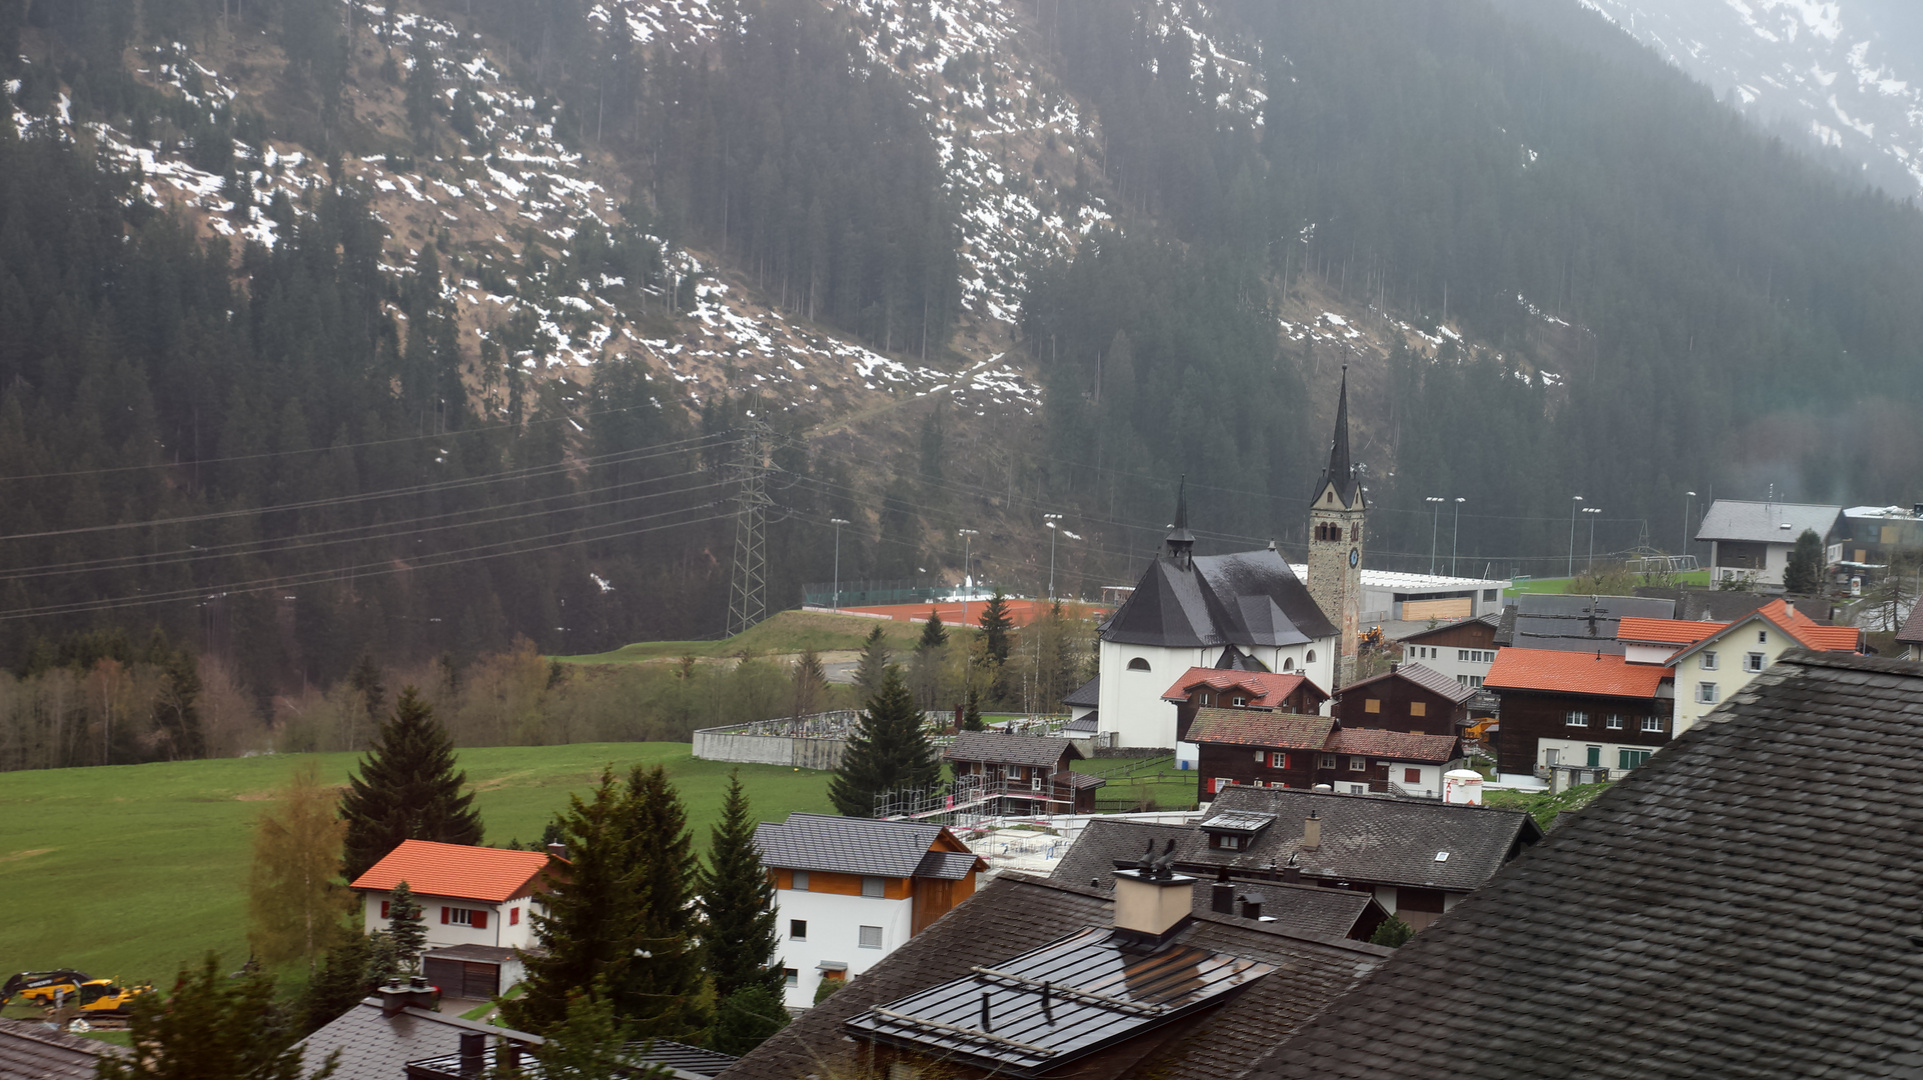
x=93, y=997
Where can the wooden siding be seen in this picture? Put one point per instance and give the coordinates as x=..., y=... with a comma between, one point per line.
x=1529, y=715
x=1468, y=634
x=1394, y=697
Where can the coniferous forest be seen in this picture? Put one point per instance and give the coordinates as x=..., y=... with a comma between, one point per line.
x=274, y=455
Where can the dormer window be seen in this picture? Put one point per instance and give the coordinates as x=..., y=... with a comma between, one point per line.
x=1241, y=701
x=1203, y=699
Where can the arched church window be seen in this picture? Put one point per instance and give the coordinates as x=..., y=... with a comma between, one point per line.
x=1138, y=664
x=1311, y=657
x=1288, y=663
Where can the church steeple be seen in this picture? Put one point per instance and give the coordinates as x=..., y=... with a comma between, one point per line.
x=1341, y=470
x=1181, y=542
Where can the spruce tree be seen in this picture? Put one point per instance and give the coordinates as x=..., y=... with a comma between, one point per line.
x=996, y=624
x=407, y=789
x=590, y=1043
x=972, y=717
x=810, y=683
x=344, y=978
x=745, y=1019
x=590, y=928
x=660, y=991
x=889, y=750
x=738, y=903
x=211, y=1027
x=872, y=668
x=1803, y=572
x=933, y=634
x=406, y=928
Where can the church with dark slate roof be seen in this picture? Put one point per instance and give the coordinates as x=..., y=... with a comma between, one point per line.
x=1243, y=610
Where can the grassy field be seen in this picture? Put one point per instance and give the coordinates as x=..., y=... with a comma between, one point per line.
x=131, y=870
x=781, y=633
x=1695, y=579
x=1168, y=787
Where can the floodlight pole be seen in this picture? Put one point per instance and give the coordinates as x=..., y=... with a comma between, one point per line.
x=1572, y=536
x=1455, y=536
x=838, y=523
x=1592, y=533
x=1050, y=520
x=1688, y=499
x=1435, y=518
x=967, y=536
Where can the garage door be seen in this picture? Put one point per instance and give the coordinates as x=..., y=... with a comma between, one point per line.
x=459, y=979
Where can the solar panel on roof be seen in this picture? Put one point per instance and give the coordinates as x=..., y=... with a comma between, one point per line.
x=1234, y=821
x=1063, y=1001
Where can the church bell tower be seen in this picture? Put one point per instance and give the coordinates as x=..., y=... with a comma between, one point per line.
x=1336, y=533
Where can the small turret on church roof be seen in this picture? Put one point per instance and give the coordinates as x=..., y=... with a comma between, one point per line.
x=1181, y=542
x=1341, y=470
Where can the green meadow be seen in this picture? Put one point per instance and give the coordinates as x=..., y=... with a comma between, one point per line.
x=130, y=871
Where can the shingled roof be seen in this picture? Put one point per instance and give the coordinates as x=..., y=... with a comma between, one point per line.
x=1428, y=678
x=848, y=845
x=33, y=1051
x=1246, y=598
x=462, y=871
x=1088, y=695
x=1574, y=623
x=1767, y=522
x=1550, y=671
x=1016, y=914
x=1253, y=727
x=1395, y=745
x=1912, y=632
x=993, y=746
x=1266, y=689
x=1365, y=838
x=1745, y=904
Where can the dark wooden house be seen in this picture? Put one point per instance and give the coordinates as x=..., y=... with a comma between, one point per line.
x=1408, y=697
x=1587, y=710
x=1032, y=773
x=1218, y=688
x=1290, y=750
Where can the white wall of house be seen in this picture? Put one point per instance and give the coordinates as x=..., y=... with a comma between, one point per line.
x=1132, y=707
x=1724, y=665
x=1775, y=560
x=1602, y=752
x=503, y=929
x=1466, y=666
x=834, y=934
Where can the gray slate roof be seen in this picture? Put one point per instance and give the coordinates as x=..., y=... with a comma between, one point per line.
x=1426, y=677
x=1745, y=904
x=1574, y=623
x=994, y=746
x=1015, y=914
x=1365, y=838
x=1087, y=695
x=375, y=1047
x=1487, y=618
x=946, y=865
x=845, y=845
x=1729, y=519
x=34, y=1051
x=1309, y=909
x=1912, y=632
x=1247, y=598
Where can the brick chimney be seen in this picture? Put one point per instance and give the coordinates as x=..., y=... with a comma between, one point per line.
x=1222, y=893
x=414, y=993
x=473, y=1054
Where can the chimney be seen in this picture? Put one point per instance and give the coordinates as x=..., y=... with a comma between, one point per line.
x=1148, y=906
x=414, y=993
x=1916, y=511
x=1292, y=870
x=1393, y=667
x=473, y=1054
x=1312, y=833
x=1252, y=905
x=510, y=1054
x=557, y=851
x=1222, y=894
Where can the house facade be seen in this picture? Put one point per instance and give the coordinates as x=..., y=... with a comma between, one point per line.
x=1290, y=750
x=1563, y=709
x=1709, y=671
x=1462, y=650
x=478, y=903
x=848, y=891
x=1412, y=697
x=1021, y=774
x=1751, y=541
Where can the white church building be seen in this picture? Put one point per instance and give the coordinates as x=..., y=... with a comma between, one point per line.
x=1245, y=610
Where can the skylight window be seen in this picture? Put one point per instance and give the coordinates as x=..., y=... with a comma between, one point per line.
x=1442, y=856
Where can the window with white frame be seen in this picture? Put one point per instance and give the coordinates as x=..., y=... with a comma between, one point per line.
x=1707, y=661
x=1706, y=693
x=1614, y=721
x=870, y=937
x=1358, y=789
x=1576, y=718
x=1328, y=761
x=1762, y=637
x=1358, y=764
x=1653, y=723
x=1278, y=760
x=797, y=929
x=1753, y=662
x=459, y=916
x=1241, y=701
x=791, y=976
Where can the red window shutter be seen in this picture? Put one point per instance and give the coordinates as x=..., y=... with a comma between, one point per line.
x=514, y=916
x=1211, y=785
x=443, y=916
x=384, y=909
x=480, y=920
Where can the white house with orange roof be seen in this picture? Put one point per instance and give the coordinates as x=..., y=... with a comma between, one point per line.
x=477, y=902
x=1722, y=662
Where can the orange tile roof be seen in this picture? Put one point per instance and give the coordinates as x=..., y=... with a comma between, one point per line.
x=1267, y=689
x=1249, y=727
x=1808, y=632
x=456, y=870
x=1556, y=671
x=1665, y=631
x=1396, y=745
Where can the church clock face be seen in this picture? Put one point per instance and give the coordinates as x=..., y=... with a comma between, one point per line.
x=1354, y=557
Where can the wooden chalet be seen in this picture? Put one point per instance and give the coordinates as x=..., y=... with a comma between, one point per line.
x=1291, y=750
x=1220, y=688
x=1411, y=698
x=1032, y=773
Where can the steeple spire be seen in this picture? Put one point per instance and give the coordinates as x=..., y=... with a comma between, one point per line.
x=1341, y=471
x=1181, y=541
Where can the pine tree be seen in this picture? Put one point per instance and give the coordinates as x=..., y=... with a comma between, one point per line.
x=888, y=751
x=407, y=789
x=590, y=1043
x=406, y=928
x=933, y=634
x=1803, y=573
x=745, y=1019
x=872, y=668
x=344, y=978
x=972, y=717
x=1392, y=932
x=660, y=991
x=810, y=683
x=211, y=1027
x=295, y=902
x=738, y=903
x=996, y=624
x=591, y=926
